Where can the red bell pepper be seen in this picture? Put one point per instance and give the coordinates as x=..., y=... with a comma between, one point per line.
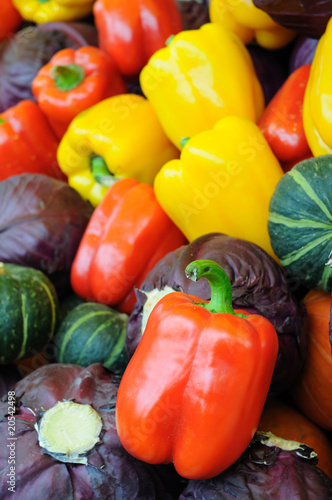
x=132, y=30
x=10, y=17
x=194, y=390
x=127, y=235
x=74, y=80
x=282, y=120
x=27, y=142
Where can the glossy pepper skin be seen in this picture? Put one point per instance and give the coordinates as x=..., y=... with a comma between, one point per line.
x=249, y=23
x=222, y=183
x=116, y=138
x=200, y=77
x=194, y=390
x=45, y=11
x=317, y=108
x=11, y=19
x=72, y=81
x=282, y=120
x=127, y=235
x=132, y=30
x=27, y=142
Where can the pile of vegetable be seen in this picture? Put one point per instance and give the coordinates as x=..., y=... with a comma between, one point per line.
x=165, y=249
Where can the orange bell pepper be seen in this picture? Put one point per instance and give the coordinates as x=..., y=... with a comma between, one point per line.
x=27, y=142
x=72, y=81
x=194, y=390
x=282, y=120
x=132, y=30
x=127, y=235
x=10, y=19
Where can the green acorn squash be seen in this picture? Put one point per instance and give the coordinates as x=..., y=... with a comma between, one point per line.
x=92, y=333
x=300, y=222
x=28, y=312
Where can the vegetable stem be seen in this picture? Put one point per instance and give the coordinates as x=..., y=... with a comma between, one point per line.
x=221, y=289
x=68, y=77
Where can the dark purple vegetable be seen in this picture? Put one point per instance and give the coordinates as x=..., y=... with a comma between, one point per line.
x=42, y=221
x=271, y=69
x=306, y=17
x=106, y=472
x=266, y=472
x=194, y=13
x=258, y=285
x=302, y=52
x=9, y=375
x=29, y=49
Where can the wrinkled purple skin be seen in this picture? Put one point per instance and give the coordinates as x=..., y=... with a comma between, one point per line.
x=270, y=69
x=258, y=285
x=29, y=49
x=263, y=473
x=112, y=474
x=9, y=375
x=305, y=17
x=193, y=13
x=42, y=221
x=302, y=52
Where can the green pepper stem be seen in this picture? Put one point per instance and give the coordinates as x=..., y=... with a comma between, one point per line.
x=68, y=77
x=169, y=39
x=100, y=171
x=184, y=141
x=221, y=288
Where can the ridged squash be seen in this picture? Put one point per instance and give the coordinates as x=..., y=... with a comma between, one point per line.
x=28, y=312
x=300, y=222
x=92, y=333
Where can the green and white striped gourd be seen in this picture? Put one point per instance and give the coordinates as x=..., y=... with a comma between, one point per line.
x=92, y=333
x=28, y=312
x=300, y=222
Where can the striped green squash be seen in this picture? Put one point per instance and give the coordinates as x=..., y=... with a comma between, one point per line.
x=300, y=222
x=92, y=333
x=28, y=312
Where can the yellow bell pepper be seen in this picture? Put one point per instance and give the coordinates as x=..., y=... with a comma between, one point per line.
x=317, y=105
x=118, y=137
x=45, y=11
x=222, y=183
x=248, y=22
x=200, y=77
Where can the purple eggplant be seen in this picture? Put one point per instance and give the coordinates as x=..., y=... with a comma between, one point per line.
x=104, y=472
x=303, y=52
x=42, y=221
x=266, y=471
x=305, y=17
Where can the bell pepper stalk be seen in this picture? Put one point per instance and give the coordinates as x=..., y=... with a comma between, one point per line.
x=11, y=19
x=130, y=32
x=282, y=120
x=249, y=23
x=72, y=81
x=198, y=78
x=194, y=390
x=46, y=11
x=27, y=142
x=121, y=136
x=222, y=183
x=128, y=233
x=317, y=115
